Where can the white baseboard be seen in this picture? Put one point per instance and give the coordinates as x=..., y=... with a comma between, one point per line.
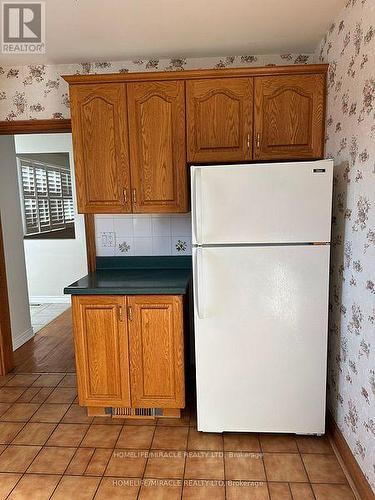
x=50, y=299
x=24, y=337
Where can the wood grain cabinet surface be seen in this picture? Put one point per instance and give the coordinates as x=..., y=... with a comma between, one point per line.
x=219, y=119
x=129, y=350
x=100, y=139
x=135, y=134
x=156, y=351
x=156, y=113
x=289, y=117
x=101, y=350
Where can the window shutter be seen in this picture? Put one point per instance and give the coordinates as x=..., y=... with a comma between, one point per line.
x=47, y=197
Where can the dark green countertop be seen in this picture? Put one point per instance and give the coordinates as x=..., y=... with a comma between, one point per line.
x=135, y=276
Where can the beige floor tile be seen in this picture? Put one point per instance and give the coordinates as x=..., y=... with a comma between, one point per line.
x=22, y=380
x=20, y=412
x=28, y=395
x=323, y=469
x=170, y=438
x=7, y=483
x=101, y=436
x=51, y=460
x=205, y=466
x=42, y=395
x=82, y=488
x=241, y=442
x=35, y=487
x=164, y=491
x=118, y=489
x=62, y=395
x=165, y=464
x=4, y=407
x=246, y=490
x=99, y=462
x=80, y=461
x=301, y=491
x=17, y=458
x=68, y=435
x=77, y=415
x=244, y=465
x=4, y=379
x=50, y=413
x=203, y=491
x=49, y=380
x=136, y=437
x=10, y=394
x=9, y=430
x=333, y=492
x=278, y=442
x=70, y=380
x=279, y=491
x=284, y=467
x=205, y=441
x=314, y=444
x=127, y=463
x=34, y=433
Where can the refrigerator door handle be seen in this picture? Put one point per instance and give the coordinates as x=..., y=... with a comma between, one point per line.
x=198, y=282
x=197, y=225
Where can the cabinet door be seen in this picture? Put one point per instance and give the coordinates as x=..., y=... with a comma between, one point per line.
x=219, y=117
x=100, y=137
x=157, y=146
x=156, y=351
x=289, y=117
x=101, y=350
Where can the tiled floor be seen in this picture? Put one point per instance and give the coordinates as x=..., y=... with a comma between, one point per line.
x=42, y=314
x=51, y=449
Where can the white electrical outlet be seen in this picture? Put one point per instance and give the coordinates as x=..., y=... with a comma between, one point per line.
x=108, y=239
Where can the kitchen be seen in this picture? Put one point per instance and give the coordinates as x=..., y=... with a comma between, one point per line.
x=205, y=318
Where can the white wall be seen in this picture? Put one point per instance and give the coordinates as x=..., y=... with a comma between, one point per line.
x=53, y=264
x=13, y=244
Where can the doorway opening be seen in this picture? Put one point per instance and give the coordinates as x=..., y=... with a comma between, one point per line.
x=45, y=247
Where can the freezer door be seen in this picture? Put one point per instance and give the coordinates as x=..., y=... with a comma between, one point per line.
x=261, y=338
x=262, y=203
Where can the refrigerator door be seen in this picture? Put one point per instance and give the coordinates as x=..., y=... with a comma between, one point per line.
x=262, y=203
x=261, y=338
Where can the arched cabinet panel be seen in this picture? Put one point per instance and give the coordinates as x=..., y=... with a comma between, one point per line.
x=157, y=146
x=219, y=118
x=100, y=138
x=289, y=117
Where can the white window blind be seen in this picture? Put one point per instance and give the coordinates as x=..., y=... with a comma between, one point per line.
x=47, y=199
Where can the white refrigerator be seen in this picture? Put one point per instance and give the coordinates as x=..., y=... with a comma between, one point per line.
x=261, y=246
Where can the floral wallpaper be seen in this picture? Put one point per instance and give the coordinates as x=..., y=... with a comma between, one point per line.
x=349, y=47
x=38, y=91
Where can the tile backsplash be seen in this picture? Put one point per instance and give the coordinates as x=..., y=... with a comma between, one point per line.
x=138, y=234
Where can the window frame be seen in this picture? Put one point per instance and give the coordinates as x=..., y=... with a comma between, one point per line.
x=47, y=167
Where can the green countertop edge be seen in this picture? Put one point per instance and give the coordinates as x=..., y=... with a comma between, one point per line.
x=169, y=263
x=146, y=262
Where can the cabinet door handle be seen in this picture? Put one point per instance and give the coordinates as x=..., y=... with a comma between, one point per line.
x=130, y=313
x=248, y=141
x=134, y=195
x=258, y=140
x=120, y=315
x=125, y=193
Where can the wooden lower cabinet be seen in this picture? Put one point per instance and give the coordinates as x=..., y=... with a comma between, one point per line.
x=156, y=351
x=129, y=351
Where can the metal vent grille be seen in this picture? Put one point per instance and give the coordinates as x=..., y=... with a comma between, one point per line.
x=135, y=412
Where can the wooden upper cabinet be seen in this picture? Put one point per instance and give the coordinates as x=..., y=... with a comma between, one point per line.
x=219, y=119
x=289, y=117
x=100, y=136
x=101, y=350
x=156, y=112
x=156, y=351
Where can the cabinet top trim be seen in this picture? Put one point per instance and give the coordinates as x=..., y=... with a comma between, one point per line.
x=299, y=69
